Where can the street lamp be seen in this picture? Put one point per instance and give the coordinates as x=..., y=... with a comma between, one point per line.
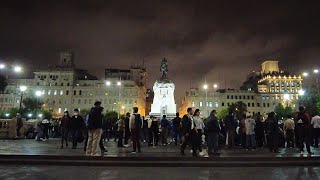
x=305, y=74
x=316, y=71
x=2, y=66
x=108, y=83
x=17, y=69
x=205, y=87
x=301, y=92
x=38, y=94
x=215, y=86
x=22, y=89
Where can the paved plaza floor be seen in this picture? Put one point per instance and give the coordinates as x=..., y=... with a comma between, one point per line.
x=52, y=147
x=156, y=173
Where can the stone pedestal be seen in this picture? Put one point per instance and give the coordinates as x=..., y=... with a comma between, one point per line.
x=163, y=101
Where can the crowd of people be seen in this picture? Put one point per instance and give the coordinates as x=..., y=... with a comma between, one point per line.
x=191, y=131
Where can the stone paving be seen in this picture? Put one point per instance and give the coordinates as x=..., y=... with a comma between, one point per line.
x=52, y=147
x=156, y=173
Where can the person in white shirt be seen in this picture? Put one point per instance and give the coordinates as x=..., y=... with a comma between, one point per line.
x=288, y=127
x=200, y=129
x=315, y=122
x=250, y=134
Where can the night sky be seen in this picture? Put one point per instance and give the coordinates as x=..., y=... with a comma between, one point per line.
x=221, y=41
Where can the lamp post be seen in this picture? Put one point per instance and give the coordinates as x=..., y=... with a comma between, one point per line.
x=22, y=89
x=38, y=94
x=205, y=87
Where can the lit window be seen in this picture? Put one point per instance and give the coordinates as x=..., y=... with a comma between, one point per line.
x=210, y=104
x=200, y=103
x=55, y=92
x=217, y=104
x=61, y=92
x=192, y=104
x=49, y=92
x=59, y=111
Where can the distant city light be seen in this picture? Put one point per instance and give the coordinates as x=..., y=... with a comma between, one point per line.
x=7, y=114
x=17, y=69
x=38, y=93
x=301, y=92
x=205, y=86
x=108, y=83
x=23, y=88
x=119, y=83
x=286, y=96
x=316, y=71
x=215, y=86
x=2, y=66
x=305, y=74
x=30, y=115
x=40, y=115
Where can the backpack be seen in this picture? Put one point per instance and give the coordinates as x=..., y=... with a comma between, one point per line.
x=302, y=120
x=137, y=121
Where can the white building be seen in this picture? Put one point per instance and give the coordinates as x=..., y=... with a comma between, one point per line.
x=66, y=88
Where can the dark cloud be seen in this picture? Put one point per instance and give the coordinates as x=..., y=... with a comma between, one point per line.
x=220, y=41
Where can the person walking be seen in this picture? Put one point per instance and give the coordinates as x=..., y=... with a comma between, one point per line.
x=76, y=126
x=176, y=122
x=135, y=126
x=315, y=122
x=250, y=134
x=188, y=132
x=304, y=129
x=19, y=125
x=272, y=132
x=164, y=130
x=288, y=128
x=231, y=126
x=200, y=130
x=126, y=130
x=121, y=128
x=94, y=129
x=213, y=129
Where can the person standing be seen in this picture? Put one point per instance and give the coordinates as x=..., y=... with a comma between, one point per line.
x=272, y=132
x=94, y=129
x=121, y=127
x=76, y=126
x=231, y=126
x=154, y=132
x=135, y=125
x=259, y=131
x=188, y=132
x=176, y=128
x=304, y=128
x=242, y=130
x=251, y=138
x=19, y=125
x=288, y=128
x=200, y=130
x=213, y=129
x=315, y=122
x=164, y=130
x=126, y=130
x=64, y=128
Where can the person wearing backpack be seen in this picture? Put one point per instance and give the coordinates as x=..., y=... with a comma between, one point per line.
x=94, y=125
x=135, y=125
x=304, y=130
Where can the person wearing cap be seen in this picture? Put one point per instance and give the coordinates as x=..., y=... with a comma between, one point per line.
x=94, y=125
x=19, y=124
x=76, y=125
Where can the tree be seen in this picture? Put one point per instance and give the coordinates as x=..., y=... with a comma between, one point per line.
x=32, y=104
x=3, y=83
x=282, y=112
x=84, y=112
x=46, y=114
x=318, y=105
x=222, y=113
x=111, y=116
x=238, y=109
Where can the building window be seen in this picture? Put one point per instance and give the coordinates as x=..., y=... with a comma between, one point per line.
x=248, y=104
x=252, y=104
x=192, y=104
x=252, y=97
x=231, y=96
x=61, y=84
x=244, y=97
x=228, y=104
x=217, y=104
x=79, y=101
x=59, y=111
x=258, y=104
x=74, y=92
x=55, y=92
x=228, y=97
x=210, y=104
x=222, y=104
x=264, y=104
x=67, y=92
x=236, y=97
x=200, y=103
x=49, y=92
x=61, y=92
x=239, y=97
x=268, y=105
x=80, y=92
x=248, y=97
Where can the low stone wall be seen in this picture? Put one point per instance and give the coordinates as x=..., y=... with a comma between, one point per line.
x=8, y=127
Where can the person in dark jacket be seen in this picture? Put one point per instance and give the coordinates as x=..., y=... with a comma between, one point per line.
x=213, y=129
x=231, y=126
x=176, y=128
x=304, y=129
x=94, y=125
x=259, y=131
x=19, y=124
x=154, y=132
x=188, y=131
x=164, y=130
x=126, y=130
x=76, y=126
x=64, y=128
x=272, y=132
